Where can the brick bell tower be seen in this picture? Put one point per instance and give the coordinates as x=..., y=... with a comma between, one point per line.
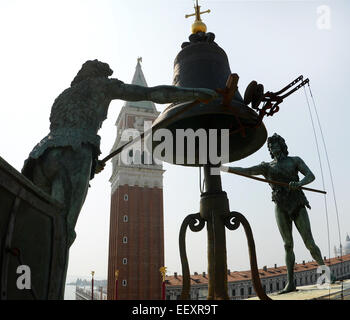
x=136, y=237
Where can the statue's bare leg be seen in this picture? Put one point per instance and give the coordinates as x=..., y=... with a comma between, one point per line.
x=49, y=174
x=285, y=225
x=69, y=171
x=78, y=168
x=80, y=185
x=302, y=223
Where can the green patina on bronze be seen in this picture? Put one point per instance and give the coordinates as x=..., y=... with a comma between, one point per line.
x=290, y=202
x=63, y=163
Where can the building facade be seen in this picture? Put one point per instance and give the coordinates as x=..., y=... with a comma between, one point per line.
x=273, y=279
x=136, y=240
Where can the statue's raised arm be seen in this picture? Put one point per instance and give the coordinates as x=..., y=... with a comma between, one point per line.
x=251, y=171
x=159, y=94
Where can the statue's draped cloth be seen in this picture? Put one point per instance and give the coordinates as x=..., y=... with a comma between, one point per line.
x=288, y=200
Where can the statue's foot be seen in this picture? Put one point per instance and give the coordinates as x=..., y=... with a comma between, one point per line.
x=288, y=288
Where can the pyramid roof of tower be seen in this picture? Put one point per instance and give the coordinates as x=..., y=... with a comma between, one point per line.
x=140, y=80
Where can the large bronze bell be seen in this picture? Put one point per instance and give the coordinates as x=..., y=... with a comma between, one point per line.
x=203, y=64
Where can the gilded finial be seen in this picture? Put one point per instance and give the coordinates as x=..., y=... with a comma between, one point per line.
x=116, y=274
x=163, y=272
x=198, y=25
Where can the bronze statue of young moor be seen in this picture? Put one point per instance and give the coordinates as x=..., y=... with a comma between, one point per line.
x=290, y=202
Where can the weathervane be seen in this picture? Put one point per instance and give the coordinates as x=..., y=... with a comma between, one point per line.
x=198, y=25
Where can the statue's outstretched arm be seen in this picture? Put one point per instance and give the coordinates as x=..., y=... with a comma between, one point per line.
x=160, y=94
x=252, y=171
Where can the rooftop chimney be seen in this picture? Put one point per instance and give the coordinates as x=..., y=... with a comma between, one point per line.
x=275, y=266
x=204, y=274
x=265, y=268
x=303, y=262
x=228, y=271
x=175, y=274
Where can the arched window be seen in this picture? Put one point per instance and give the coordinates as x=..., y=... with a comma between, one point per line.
x=125, y=239
x=126, y=197
x=125, y=260
x=125, y=283
x=125, y=218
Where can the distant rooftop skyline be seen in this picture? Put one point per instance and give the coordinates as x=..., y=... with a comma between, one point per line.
x=41, y=55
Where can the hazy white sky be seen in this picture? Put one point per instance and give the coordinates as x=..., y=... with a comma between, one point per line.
x=45, y=42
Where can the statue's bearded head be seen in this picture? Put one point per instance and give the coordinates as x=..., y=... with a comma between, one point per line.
x=92, y=69
x=279, y=141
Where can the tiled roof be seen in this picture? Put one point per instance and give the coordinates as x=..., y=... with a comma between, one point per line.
x=236, y=276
